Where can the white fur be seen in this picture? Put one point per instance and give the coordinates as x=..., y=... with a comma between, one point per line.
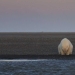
x=65, y=47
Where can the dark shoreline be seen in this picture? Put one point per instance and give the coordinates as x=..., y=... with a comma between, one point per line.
x=32, y=45
x=58, y=57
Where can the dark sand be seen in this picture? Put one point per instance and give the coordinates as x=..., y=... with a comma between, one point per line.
x=29, y=44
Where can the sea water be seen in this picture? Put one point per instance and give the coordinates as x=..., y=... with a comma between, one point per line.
x=37, y=67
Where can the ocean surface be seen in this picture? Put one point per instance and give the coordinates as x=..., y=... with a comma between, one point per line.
x=37, y=67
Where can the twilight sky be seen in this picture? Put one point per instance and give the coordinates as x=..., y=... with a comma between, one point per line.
x=37, y=15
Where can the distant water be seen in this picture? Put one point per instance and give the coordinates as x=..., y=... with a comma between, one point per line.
x=37, y=67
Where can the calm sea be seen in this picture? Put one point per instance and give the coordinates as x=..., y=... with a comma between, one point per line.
x=37, y=67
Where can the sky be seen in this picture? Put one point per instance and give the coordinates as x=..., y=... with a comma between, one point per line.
x=37, y=15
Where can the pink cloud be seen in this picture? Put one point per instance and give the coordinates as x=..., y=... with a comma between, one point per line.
x=37, y=6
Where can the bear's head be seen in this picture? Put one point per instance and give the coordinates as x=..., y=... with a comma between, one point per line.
x=65, y=48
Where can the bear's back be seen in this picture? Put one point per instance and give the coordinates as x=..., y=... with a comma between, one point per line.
x=65, y=42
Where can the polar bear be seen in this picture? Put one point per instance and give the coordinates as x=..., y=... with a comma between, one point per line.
x=65, y=47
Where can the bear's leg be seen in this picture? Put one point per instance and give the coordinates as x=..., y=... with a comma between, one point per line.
x=70, y=49
x=62, y=53
x=59, y=49
x=68, y=53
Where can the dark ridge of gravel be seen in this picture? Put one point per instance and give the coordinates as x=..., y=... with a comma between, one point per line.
x=57, y=57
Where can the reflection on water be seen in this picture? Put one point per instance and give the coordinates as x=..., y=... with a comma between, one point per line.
x=37, y=67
